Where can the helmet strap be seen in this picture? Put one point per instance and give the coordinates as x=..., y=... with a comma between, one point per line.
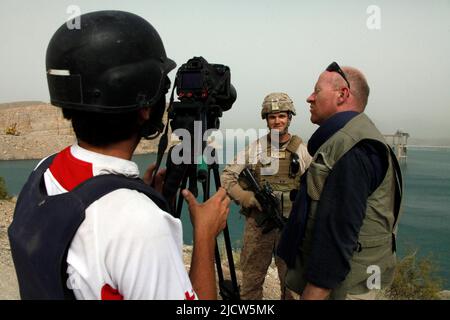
x=153, y=127
x=164, y=141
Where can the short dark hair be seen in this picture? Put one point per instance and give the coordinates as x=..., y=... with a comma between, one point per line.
x=102, y=129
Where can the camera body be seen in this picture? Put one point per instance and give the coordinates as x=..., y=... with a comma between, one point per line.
x=199, y=81
x=204, y=91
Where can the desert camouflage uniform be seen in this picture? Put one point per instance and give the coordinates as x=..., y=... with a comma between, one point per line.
x=258, y=248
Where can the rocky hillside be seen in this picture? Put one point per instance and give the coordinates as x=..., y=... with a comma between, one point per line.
x=33, y=130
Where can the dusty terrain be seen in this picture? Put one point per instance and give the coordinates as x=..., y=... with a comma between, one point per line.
x=8, y=281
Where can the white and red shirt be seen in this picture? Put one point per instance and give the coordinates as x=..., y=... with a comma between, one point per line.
x=127, y=247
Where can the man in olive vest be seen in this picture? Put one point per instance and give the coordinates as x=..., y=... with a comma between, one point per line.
x=339, y=242
x=280, y=163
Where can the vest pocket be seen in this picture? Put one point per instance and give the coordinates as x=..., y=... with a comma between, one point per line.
x=317, y=175
x=368, y=264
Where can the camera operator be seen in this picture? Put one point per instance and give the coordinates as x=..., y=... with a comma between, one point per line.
x=110, y=79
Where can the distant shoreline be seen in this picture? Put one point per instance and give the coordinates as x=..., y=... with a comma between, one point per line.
x=425, y=147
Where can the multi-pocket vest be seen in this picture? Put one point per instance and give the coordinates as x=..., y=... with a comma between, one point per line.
x=376, y=241
x=281, y=181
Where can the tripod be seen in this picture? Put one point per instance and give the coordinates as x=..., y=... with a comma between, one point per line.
x=228, y=289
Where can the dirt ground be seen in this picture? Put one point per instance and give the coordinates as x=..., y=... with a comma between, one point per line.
x=8, y=281
x=9, y=289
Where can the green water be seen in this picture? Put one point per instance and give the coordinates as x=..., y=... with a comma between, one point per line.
x=424, y=225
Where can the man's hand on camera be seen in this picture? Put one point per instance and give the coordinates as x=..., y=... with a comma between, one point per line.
x=159, y=178
x=208, y=218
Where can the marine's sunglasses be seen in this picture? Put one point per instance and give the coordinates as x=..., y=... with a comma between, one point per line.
x=334, y=67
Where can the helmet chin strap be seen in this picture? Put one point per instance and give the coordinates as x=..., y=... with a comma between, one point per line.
x=154, y=126
x=163, y=142
x=286, y=130
x=150, y=130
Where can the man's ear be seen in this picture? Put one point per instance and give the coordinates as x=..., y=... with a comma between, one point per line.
x=344, y=94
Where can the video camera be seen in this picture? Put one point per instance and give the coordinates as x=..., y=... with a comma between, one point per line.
x=204, y=91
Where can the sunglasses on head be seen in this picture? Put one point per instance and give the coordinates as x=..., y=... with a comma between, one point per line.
x=334, y=67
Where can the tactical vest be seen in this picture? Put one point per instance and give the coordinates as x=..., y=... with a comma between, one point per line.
x=43, y=227
x=280, y=181
x=376, y=240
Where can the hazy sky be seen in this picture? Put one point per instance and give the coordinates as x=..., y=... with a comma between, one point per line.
x=270, y=46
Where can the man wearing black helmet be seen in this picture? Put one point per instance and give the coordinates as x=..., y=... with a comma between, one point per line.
x=85, y=226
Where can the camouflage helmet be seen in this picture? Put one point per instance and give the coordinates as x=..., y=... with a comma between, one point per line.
x=277, y=102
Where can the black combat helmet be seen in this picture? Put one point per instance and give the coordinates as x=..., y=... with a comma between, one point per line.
x=114, y=62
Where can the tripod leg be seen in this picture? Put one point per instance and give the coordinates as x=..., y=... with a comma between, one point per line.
x=179, y=203
x=226, y=235
x=206, y=195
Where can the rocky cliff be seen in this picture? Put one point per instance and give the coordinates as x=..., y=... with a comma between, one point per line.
x=33, y=130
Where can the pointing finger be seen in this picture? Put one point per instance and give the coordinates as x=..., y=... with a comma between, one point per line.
x=189, y=197
x=226, y=201
x=221, y=193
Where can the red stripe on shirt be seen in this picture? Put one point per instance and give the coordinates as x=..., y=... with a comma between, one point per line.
x=108, y=293
x=188, y=296
x=70, y=171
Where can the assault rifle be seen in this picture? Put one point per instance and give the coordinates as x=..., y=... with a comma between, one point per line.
x=271, y=216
